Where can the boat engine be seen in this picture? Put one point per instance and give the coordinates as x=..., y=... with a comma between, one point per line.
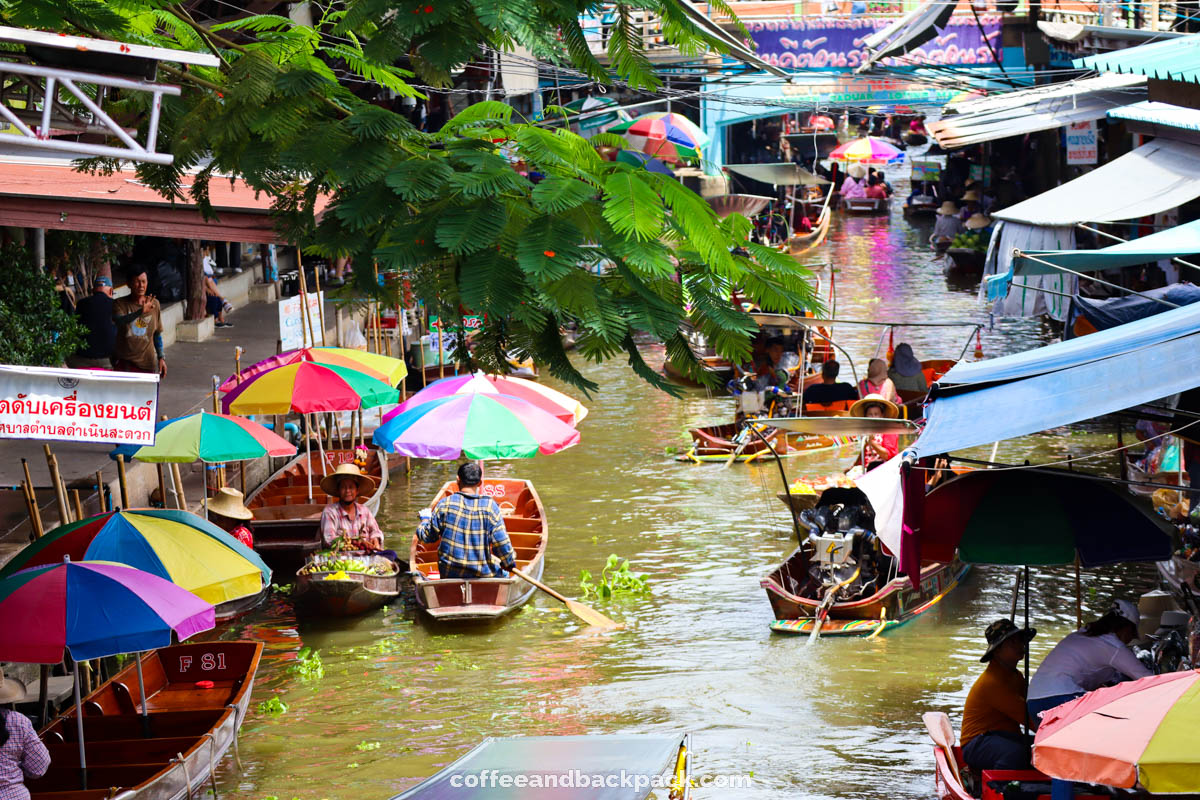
x=843, y=549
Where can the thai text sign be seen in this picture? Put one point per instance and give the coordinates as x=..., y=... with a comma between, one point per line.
x=1081, y=143
x=294, y=328
x=836, y=42
x=77, y=405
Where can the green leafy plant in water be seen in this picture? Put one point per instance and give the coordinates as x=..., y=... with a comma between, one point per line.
x=615, y=578
x=364, y=747
x=273, y=707
x=284, y=589
x=308, y=665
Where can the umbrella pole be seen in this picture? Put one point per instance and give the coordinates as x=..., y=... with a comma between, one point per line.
x=121, y=480
x=1027, y=623
x=1012, y=611
x=308, y=453
x=180, y=499
x=162, y=487
x=142, y=692
x=1078, y=596
x=79, y=728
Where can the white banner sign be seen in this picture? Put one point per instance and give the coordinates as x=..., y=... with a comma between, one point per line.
x=77, y=405
x=1082, y=147
x=293, y=328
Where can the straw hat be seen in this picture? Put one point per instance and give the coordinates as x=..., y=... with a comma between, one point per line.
x=859, y=409
x=948, y=209
x=329, y=485
x=1000, y=632
x=229, y=503
x=856, y=171
x=11, y=691
x=971, y=197
x=977, y=221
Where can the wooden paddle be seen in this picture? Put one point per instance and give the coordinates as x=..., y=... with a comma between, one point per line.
x=942, y=733
x=586, y=613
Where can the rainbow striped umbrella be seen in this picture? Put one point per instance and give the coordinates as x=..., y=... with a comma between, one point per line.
x=566, y=408
x=475, y=425
x=867, y=150
x=667, y=136
x=305, y=387
x=213, y=438
x=1140, y=733
x=177, y=546
x=382, y=368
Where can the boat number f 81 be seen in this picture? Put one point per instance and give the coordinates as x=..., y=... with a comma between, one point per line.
x=208, y=662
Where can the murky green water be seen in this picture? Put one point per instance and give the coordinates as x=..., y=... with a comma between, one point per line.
x=399, y=699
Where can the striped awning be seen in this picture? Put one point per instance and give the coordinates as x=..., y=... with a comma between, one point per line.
x=1173, y=60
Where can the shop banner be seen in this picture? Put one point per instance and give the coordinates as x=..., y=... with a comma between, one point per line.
x=293, y=329
x=1082, y=147
x=77, y=405
x=836, y=42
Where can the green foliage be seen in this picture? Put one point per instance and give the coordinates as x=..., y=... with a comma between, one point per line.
x=35, y=330
x=273, y=707
x=364, y=747
x=615, y=579
x=308, y=665
x=289, y=110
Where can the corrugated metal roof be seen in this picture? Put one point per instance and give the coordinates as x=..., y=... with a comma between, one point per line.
x=1174, y=60
x=1165, y=114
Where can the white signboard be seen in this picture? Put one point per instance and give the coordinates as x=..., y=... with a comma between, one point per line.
x=293, y=329
x=77, y=405
x=1081, y=143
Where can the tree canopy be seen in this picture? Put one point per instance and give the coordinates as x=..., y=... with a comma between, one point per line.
x=287, y=110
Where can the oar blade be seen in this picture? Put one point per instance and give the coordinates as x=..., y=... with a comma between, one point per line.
x=591, y=616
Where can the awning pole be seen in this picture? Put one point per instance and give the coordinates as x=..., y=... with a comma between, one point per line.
x=1099, y=232
x=1094, y=279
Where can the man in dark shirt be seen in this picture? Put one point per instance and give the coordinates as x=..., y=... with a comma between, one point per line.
x=95, y=312
x=829, y=390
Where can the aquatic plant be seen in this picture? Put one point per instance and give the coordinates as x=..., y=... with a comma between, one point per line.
x=273, y=707
x=308, y=665
x=615, y=578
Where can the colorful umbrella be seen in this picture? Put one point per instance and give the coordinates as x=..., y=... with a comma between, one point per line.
x=642, y=160
x=821, y=122
x=382, y=368
x=306, y=387
x=567, y=409
x=1141, y=732
x=93, y=610
x=204, y=436
x=177, y=546
x=1027, y=518
x=668, y=136
x=475, y=425
x=590, y=105
x=867, y=150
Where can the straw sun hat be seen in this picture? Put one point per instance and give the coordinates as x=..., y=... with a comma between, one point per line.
x=859, y=409
x=977, y=222
x=11, y=691
x=971, y=197
x=948, y=209
x=857, y=171
x=229, y=503
x=329, y=485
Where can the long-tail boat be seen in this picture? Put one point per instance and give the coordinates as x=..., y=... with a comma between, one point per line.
x=717, y=443
x=866, y=205
x=287, y=527
x=325, y=586
x=196, y=699
x=459, y=599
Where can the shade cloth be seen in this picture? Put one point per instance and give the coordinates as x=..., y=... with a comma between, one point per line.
x=542, y=757
x=1182, y=240
x=1165, y=115
x=1024, y=296
x=1174, y=60
x=908, y=32
x=1148, y=180
x=777, y=174
x=883, y=488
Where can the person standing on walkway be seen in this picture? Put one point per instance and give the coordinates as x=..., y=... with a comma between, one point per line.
x=139, y=346
x=22, y=755
x=470, y=528
x=96, y=313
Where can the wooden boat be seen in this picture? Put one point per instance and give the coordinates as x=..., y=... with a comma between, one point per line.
x=196, y=700
x=716, y=443
x=1178, y=572
x=326, y=590
x=921, y=209
x=789, y=587
x=913, y=402
x=866, y=205
x=966, y=259
x=720, y=368
x=287, y=527
x=801, y=243
x=459, y=599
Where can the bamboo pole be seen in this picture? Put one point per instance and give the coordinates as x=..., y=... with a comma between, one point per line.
x=216, y=382
x=60, y=492
x=306, y=323
x=242, y=476
x=441, y=327
x=177, y=479
x=121, y=480
x=421, y=325
x=36, y=519
x=320, y=305
x=237, y=362
x=100, y=491
x=162, y=485
x=78, y=504
x=31, y=508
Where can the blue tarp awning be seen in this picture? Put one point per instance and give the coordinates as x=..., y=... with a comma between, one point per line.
x=987, y=401
x=1114, y=311
x=1182, y=240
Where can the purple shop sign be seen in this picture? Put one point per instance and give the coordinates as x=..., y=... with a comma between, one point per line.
x=836, y=42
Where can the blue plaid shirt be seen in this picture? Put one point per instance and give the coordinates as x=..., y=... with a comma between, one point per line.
x=474, y=543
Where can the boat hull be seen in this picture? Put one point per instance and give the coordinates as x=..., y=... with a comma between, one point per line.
x=482, y=599
x=320, y=594
x=865, y=205
x=716, y=443
x=894, y=604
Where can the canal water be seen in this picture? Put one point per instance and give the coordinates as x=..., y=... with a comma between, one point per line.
x=399, y=699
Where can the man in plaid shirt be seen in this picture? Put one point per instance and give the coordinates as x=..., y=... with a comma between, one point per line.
x=474, y=543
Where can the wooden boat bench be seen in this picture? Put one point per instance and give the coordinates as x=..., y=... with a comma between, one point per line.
x=129, y=726
x=77, y=794
x=67, y=780
x=120, y=751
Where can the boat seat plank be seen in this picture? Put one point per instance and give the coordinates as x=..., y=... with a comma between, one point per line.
x=129, y=726
x=77, y=794
x=67, y=780
x=120, y=751
x=182, y=698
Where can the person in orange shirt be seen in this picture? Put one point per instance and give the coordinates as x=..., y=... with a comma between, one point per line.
x=995, y=710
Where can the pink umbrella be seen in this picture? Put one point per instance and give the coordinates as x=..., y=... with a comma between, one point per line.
x=566, y=408
x=867, y=150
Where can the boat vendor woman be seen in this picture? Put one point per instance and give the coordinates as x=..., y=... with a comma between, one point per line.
x=1087, y=659
x=948, y=224
x=227, y=510
x=877, y=381
x=906, y=373
x=345, y=517
x=470, y=527
x=995, y=708
x=882, y=446
x=855, y=184
x=22, y=755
